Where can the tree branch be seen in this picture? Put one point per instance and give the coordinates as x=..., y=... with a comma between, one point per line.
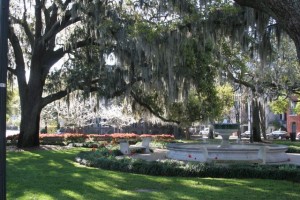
x=56, y=96
x=53, y=97
x=50, y=19
x=26, y=28
x=58, y=26
x=65, y=4
x=53, y=56
x=13, y=71
x=140, y=101
x=38, y=18
x=19, y=59
x=242, y=82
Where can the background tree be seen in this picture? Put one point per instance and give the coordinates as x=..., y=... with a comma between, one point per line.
x=226, y=102
x=280, y=105
x=13, y=109
x=82, y=113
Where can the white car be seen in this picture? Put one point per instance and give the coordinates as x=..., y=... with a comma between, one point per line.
x=279, y=134
x=204, y=131
x=12, y=132
x=246, y=134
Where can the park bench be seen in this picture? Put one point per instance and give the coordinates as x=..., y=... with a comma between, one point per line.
x=126, y=149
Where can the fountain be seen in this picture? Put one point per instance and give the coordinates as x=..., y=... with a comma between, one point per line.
x=225, y=130
x=226, y=152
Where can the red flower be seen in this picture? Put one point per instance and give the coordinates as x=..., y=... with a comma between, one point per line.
x=124, y=135
x=146, y=135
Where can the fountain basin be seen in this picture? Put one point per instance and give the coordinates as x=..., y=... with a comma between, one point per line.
x=249, y=153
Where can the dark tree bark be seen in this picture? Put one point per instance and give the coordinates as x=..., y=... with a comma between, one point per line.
x=286, y=13
x=262, y=115
x=256, y=122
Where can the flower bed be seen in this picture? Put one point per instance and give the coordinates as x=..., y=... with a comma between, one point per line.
x=98, y=137
x=67, y=138
x=164, y=138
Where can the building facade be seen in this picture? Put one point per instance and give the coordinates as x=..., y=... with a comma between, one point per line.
x=293, y=119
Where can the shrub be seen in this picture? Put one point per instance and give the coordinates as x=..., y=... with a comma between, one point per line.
x=106, y=159
x=12, y=139
x=293, y=149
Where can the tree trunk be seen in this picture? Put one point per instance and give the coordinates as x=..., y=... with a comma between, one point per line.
x=31, y=107
x=256, y=122
x=30, y=125
x=211, y=132
x=187, y=133
x=262, y=114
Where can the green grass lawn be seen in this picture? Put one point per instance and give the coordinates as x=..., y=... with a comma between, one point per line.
x=42, y=175
x=287, y=142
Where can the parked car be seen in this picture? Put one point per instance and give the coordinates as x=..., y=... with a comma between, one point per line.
x=279, y=134
x=246, y=134
x=60, y=131
x=12, y=132
x=206, y=132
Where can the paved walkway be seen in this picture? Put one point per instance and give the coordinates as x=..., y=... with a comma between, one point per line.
x=160, y=154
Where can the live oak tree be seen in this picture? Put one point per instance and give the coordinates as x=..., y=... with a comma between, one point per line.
x=41, y=33
x=82, y=34
x=147, y=38
x=254, y=30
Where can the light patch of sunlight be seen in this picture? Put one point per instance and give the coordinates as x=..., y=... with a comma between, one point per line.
x=129, y=194
x=76, y=164
x=115, y=191
x=292, y=194
x=212, y=188
x=53, y=163
x=36, y=196
x=258, y=189
x=70, y=193
x=98, y=185
x=76, y=175
x=180, y=195
x=236, y=181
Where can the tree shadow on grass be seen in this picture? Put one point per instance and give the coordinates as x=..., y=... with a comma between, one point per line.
x=55, y=175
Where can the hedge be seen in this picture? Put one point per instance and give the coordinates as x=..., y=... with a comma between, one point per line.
x=189, y=169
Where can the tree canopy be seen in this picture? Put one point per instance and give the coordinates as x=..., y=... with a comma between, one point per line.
x=165, y=52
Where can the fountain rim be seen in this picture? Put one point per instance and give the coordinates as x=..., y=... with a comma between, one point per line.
x=254, y=147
